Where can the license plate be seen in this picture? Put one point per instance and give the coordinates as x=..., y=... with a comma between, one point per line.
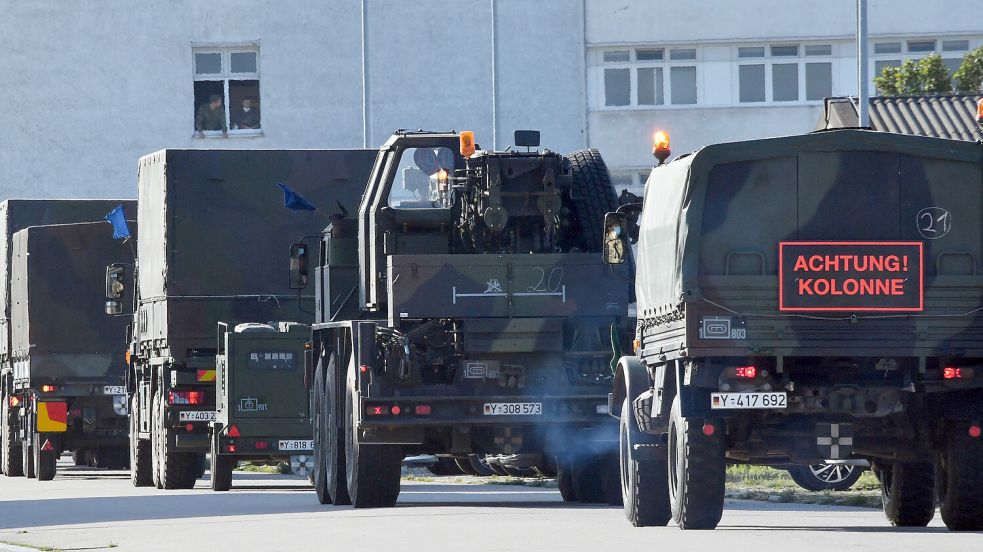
x=114, y=390
x=197, y=416
x=513, y=409
x=747, y=401
x=297, y=444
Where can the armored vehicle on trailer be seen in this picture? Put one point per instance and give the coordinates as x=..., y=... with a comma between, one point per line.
x=262, y=402
x=808, y=298
x=466, y=311
x=15, y=215
x=67, y=359
x=211, y=221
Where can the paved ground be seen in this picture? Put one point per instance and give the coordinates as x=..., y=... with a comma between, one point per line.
x=94, y=510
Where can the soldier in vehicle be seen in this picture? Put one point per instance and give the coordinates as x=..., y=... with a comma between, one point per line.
x=614, y=247
x=211, y=116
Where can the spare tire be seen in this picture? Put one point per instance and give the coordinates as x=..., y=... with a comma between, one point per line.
x=591, y=197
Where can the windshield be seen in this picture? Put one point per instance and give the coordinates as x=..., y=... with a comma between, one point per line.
x=422, y=179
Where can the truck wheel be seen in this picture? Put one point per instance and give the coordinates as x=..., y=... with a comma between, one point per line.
x=175, y=470
x=908, y=493
x=320, y=438
x=78, y=458
x=587, y=479
x=45, y=461
x=335, y=471
x=825, y=476
x=222, y=467
x=564, y=480
x=12, y=465
x=696, y=469
x=593, y=196
x=373, y=471
x=465, y=466
x=960, y=478
x=140, y=453
x=644, y=483
x=479, y=466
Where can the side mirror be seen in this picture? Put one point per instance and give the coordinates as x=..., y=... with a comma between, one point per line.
x=615, y=238
x=298, y=266
x=115, y=287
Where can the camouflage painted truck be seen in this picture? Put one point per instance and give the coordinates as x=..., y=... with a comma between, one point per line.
x=465, y=310
x=67, y=359
x=211, y=221
x=261, y=399
x=37, y=363
x=801, y=299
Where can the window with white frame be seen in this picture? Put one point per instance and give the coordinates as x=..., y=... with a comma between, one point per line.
x=778, y=73
x=893, y=52
x=226, y=90
x=649, y=77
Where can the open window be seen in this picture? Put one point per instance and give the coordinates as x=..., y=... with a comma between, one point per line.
x=226, y=91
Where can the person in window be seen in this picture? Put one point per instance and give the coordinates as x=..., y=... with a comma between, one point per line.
x=211, y=116
x=248, y=115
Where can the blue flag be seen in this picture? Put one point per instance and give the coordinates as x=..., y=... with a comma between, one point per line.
x=117, y=218
x=293, y=200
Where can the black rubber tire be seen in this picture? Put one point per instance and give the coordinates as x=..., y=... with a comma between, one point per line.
x=176, y=470
x=337, y=477
x=908, y=493
x=610, y=474
x=373, y=471
x=593, y=196
x=465, y=466
x=45, y=462
x=808, y=480
x=479, y=466
x=78, y=458
x=960, y=477
x=445, y=466
x=320, y=437
x=564, y=480
x=114, y=458
x=644, y=483
x=697, y=469
x=141, y=455
x=222, y=466
x=587, y=482
x=12, y=465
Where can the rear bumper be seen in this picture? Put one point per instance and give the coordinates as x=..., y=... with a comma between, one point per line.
x=473, y=411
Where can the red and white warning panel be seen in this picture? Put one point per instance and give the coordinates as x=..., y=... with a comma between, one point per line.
x=851, y=276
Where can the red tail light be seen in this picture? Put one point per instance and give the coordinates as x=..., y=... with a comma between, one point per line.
x=49, y=388
x=375, y=410
x=747, y=372
x=13, y=401
x=189, y=427
x=423, y=410
x=974, y=431
x=230, y=448
x=233, y=431
x=951, y=372
x=262, y=445
x=395, y=410
x=363, y=368
x=186, y=397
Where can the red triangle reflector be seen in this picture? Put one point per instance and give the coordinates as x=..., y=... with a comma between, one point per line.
x=47, y=446
x=233, y=431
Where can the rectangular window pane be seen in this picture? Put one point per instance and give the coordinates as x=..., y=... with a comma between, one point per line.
x=819, y=81
x=955, y=45
x=784, y=51
x=751, y=52
x=649, y=55
x=682, y=54
x=819, y=50
x=650, y=86
x=617, y=87
x=752, y=83
x=244, y=94
x=619, y=55
x=620, y=181
x=887, y=48
x=682, y=80
x=206, y=118
x=243, y=62
x=921, y=45
x=785, y=82
x=208, y=64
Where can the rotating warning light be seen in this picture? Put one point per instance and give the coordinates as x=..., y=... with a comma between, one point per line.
x=660, y=146
x=467, y=143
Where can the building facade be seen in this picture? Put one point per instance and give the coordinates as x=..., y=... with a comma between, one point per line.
x=90, y=87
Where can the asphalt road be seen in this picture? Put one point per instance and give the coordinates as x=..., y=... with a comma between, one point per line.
x=97, y=510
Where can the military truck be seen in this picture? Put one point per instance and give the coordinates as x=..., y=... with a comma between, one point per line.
x=67, y=359
x=802, y=299
x=465, y=311
x=261, y=400
x=40, y=351
x=211, y=221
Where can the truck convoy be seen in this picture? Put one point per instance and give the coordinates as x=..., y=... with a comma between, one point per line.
x=801, y=299
x=465, y=310
x=211, y=221
x=62, y=361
